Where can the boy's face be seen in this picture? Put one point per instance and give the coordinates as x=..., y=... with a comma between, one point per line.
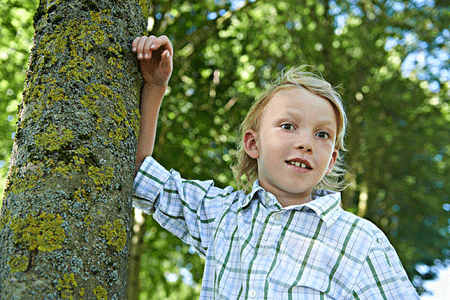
x=294, y=145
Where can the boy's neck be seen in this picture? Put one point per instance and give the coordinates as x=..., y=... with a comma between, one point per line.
x=287, y=197
x=289, y=201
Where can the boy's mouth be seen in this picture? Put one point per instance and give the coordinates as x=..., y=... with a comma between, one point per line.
x=299, y=163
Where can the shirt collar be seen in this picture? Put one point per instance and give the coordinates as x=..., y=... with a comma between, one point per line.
x=257, y=192
x=260, y=194
x=324, y=203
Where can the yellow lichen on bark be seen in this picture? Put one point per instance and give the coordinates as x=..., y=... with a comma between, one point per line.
x=4, y=219
x=100, y=293
x=101, y=175
x=18, y=263
x=41, y=232
x=145, y=7
x=53, y=138
x=115, y=234
x=23, y=178
x=67, y=285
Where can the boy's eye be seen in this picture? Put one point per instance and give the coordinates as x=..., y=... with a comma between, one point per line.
x=287, y=126
x=323, y=135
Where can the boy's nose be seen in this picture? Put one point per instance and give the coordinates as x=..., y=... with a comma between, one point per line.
x=307, y=149
x=304, y=143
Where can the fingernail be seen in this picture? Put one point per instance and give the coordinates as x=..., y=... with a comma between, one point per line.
x=168, y=54
x=139, y=55
x=134, y=49
x=146, y=55
x=153, y=46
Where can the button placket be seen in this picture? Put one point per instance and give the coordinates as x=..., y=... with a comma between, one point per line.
x=277, y=217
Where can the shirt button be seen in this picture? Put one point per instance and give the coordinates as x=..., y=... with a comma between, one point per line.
x=252, y=293
x=277, y=217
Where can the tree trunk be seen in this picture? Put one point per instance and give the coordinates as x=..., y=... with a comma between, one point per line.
x=64, y=227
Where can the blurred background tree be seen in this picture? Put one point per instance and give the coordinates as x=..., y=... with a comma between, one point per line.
x=390, y=62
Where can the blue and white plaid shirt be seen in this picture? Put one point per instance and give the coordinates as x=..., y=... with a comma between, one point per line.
x=255, y=249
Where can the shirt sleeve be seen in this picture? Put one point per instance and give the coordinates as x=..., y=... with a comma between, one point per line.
x=382, y=275
x=186, y=208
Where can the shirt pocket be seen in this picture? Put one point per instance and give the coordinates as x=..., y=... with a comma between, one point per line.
x=307, y=268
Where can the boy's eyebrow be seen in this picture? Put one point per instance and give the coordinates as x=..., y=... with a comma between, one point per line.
x=327, y=121
x=322, y=120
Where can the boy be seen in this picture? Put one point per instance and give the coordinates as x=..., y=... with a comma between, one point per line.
x=285, y=239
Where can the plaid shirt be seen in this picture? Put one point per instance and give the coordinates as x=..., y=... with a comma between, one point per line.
x=255, y=249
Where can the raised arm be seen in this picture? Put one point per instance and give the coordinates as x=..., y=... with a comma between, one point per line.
x=155, y=55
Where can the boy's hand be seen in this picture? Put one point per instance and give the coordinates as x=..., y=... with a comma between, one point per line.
x=155, y=56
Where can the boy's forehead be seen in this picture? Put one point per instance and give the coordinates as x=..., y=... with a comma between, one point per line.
x=291, y=97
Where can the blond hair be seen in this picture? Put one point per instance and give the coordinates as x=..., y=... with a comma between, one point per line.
x=288, y=79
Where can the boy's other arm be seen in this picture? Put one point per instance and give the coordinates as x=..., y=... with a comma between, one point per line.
x=155, y=56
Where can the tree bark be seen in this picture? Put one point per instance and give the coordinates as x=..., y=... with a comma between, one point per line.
x=65, y=219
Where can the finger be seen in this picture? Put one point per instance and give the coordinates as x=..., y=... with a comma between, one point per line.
x=166, y=62
x=140, y=42
x=162, y=41
x=169, y=46
x=165, y=57
x=147, y=47
x=140, y=46
x=134, y=44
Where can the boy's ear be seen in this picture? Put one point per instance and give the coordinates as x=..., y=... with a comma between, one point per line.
x=251, y=144
x=333, y=159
